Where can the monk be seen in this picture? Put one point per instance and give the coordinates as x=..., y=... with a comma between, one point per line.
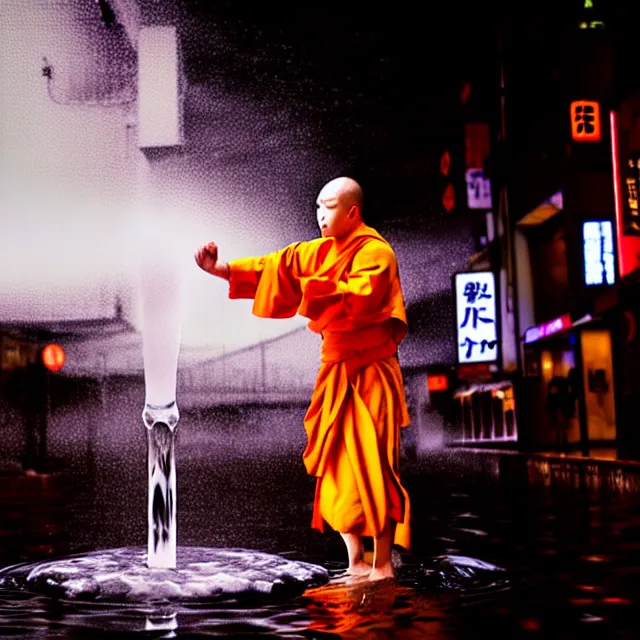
x=346, y=283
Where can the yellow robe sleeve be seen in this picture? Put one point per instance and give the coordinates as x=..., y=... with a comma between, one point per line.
x=273, y=280
x=361, y=295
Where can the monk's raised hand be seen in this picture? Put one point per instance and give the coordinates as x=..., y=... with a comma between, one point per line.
x=207, y=256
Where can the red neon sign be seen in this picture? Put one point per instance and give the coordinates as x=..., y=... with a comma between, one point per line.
x=548, y=328
x=628, y=246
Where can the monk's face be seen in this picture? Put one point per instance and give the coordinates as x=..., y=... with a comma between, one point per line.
x=336, y=215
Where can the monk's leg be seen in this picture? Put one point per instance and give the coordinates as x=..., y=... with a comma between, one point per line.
x=355, y=551
x=382, y=547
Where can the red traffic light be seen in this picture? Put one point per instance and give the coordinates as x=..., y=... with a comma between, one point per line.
x=53, y=357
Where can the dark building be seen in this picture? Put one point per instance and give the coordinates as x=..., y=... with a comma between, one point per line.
x=564, y=176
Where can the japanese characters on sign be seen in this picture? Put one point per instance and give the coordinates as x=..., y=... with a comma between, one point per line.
x=599, y=259
x=476, y=317
x=585, y=121
x=478, y=189
x=632, y=185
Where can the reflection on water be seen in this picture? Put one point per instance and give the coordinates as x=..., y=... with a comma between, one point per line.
x=409, y=608
x=568, y=537
x=380, y=610
x=32, y=516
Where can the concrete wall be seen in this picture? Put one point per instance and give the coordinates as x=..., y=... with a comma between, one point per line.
x=66, y=159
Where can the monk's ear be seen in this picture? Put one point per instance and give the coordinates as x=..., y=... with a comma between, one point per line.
x=354, y=211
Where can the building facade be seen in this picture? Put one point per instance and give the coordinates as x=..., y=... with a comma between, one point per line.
x=563, y=168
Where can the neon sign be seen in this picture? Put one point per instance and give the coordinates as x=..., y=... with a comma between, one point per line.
x=476, y=317
x=548, y=328
x=599, y=260
x=585, y=121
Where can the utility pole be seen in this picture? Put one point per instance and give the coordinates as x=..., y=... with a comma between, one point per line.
x=511, y=357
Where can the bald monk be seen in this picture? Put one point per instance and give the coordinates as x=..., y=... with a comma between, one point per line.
x=347, y=284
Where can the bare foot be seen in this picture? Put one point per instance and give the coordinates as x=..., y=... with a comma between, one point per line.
x=359, y=569
x=382, y=573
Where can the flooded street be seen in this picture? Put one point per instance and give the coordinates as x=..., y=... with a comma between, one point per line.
x=569, y=546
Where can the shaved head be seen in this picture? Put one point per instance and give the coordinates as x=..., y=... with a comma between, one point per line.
x=339, y=207
x=347, y=190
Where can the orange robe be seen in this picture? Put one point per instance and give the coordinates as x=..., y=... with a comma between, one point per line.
x=350, y=291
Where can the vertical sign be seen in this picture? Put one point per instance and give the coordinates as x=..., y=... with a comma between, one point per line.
x=477, y=147
x=478, y=189
x=630, y=200
x=628, y=240
x=476, y=317
x=598, y=256
x=585, y=121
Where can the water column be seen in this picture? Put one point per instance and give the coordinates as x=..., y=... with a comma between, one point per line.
x=160, y=89
x=160, y=292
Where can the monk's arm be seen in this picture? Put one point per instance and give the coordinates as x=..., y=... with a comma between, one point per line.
x=244, y=276
x=272, y=280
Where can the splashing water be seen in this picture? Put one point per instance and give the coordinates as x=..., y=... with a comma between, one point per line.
x=161, y=506
x=160, y=293
x=119, y=576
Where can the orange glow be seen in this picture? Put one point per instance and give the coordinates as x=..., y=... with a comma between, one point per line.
x=595, y=558
x=362, y=609
x=615, y=600
x=437, y=382
x=585, y=121
x=53, y=357
x=581, y=602
x=588, y=587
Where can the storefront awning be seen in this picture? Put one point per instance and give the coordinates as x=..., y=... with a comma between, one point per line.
x=542, y=212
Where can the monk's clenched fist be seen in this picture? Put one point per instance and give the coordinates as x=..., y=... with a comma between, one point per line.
x=207, y=256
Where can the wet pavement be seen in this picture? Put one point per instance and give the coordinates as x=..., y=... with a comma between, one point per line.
x=567, y=534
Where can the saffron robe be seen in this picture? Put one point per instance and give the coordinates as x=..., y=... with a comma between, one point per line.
x=350, y=291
